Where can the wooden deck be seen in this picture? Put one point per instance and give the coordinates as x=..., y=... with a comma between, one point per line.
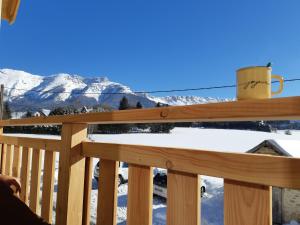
x=248, y=177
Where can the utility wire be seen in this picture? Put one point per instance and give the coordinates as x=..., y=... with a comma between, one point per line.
x=140, y=92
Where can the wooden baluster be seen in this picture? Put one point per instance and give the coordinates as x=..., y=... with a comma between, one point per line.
x=1, y=147
x=3, y=163
x=1, y=152
x=9, y=159
x=25, y=170
x=247, y=204
x=107, y=192
x=71, y=175
x=87, y=191
x=16, y=169
x=183, y=205
x=35, y=184
x=48, y=186
x=140, y=195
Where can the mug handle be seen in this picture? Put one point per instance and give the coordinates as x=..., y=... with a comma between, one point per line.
x=280, y=78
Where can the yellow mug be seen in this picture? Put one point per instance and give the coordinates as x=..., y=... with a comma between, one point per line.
x=255, y=83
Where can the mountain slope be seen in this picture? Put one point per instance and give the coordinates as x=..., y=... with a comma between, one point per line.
x=25, y=91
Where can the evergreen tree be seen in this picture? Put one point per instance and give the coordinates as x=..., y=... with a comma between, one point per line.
x=28, y=114
x=6, y=111
x=139, y=105
x=124, y=104
x=161, y=127
x=123, y=128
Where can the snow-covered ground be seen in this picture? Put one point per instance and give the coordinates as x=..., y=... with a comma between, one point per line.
x=196, y=138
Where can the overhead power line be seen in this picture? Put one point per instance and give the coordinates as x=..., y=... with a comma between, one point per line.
x=139, y=92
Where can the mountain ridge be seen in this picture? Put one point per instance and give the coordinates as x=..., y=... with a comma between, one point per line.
x=25, y=91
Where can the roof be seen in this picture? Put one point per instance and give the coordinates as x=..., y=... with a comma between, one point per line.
x=9, y=10
x=290, y=148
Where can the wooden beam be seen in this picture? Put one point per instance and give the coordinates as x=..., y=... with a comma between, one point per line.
x=71, y=175
x=140, y=195
x=38, y=143
x=253, y=168
x=247, y=204
x=107, y=193
x=183, y=205
x=247, y=110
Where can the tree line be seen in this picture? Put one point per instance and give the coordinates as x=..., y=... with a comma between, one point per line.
x=101, y=128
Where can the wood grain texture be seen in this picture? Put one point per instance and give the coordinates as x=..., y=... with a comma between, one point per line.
x=3, y=160
x=9, y=10
x=9, y=160
x=16, y=169
x=25, y=173
x=252, y=168
x=48, y=186
x=247, y=204
x=107, y=193
x=246, y=110
x=71, y=175
x=86, y=217
x=1, y=146
x=37, y=143
x=183, y=205
x=140, y=195
x=35, y=184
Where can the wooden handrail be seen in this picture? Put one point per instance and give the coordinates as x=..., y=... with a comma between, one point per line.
x=248, y=110
x=37, y=143
x=252, y=168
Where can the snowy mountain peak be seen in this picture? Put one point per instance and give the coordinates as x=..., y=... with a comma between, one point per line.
x=26, y=91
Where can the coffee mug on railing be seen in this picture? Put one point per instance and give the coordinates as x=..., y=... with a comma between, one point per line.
x=255, y=83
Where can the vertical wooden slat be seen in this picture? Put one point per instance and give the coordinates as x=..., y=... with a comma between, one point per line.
x=17, y=162
x=183, y=205
x=25, y=169
x=140, y=195
x=87, y=191
x=247, y=204
x=71, y=175
x=48, y=186
x=3, y=161
x=1, y=151
x=9, y=159
x=107, y=192
x=35, y=182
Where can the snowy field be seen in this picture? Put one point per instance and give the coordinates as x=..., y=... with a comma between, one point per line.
x=196, y=138
x=206, y=139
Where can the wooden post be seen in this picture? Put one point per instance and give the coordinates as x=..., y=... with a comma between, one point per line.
x=140, y=195
x=107, y=192
x=71, y=175
x=247, y=204
x=183, y=205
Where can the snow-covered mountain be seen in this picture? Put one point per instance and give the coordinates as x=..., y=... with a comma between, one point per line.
x=26, y=91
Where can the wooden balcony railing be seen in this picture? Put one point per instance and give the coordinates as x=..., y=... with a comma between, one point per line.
x=248, y=177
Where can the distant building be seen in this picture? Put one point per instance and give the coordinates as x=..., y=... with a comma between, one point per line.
x=286, y=202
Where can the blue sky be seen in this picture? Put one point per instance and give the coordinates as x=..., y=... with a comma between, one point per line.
x=150, y=45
